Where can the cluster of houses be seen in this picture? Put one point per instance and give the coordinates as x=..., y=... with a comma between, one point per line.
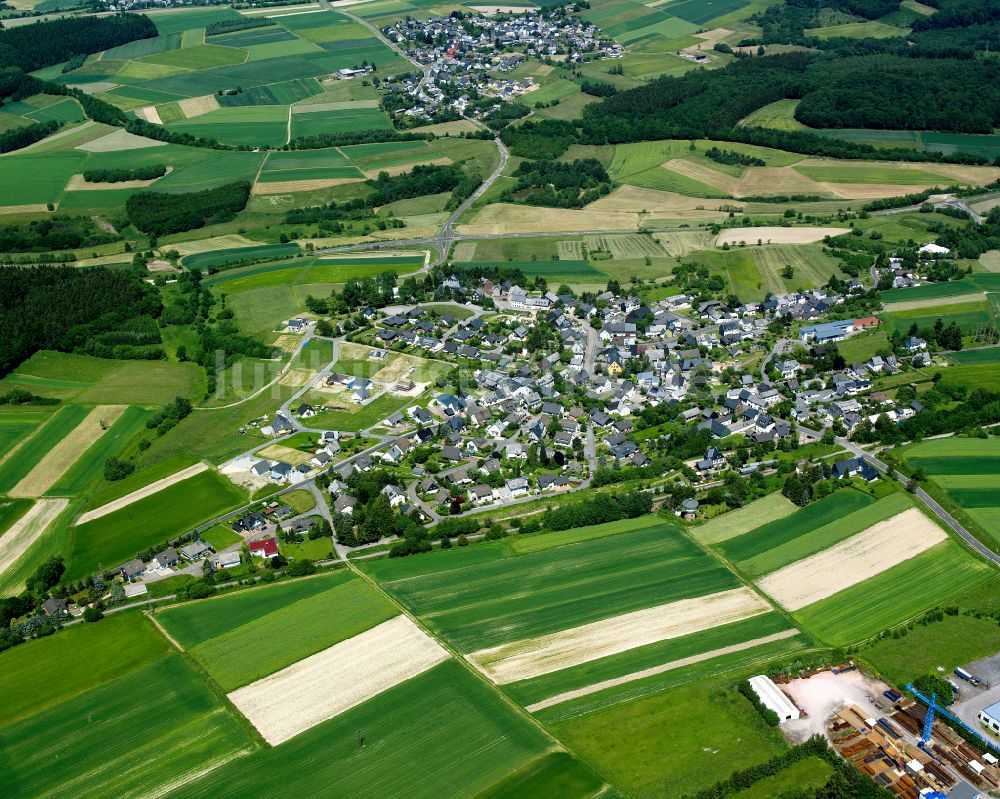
x=468, y=54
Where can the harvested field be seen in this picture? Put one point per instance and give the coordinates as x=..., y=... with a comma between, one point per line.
x=119, y=140
x=933, y=302
x=196, y=106
x=675, y=244
x=292, y=186
x=401, y=169
x=142, y=493
x=64, y=454
x=850, y=562
x=736, y=522
x=871, y=191
x=149, y=113
x=276, y=452
x=26, y=530
x=40, y=208
x=330, y=682
x=654, y=670
x=523, y=660
x=778, y=235
x=756, y=181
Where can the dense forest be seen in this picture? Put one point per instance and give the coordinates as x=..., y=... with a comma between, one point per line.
x=57, y=232
x=64, y=308
x=42, y=44
x=230, y=25
x=879, y=91
x=21, y=137
x=547, y=138
x=419, y=181
x=559, y=184
x=160, y=213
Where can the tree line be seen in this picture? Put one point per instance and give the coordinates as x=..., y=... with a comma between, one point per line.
x=559, y=184
x=606, y=508
x=57, y=232
x=120, y=175
x=231, y=25
x=161, y=213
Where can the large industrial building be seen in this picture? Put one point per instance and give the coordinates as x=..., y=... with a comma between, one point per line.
x=774, y=698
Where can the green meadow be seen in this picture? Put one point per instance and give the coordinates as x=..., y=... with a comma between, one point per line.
x=115, y=538
x=34, y=676
x=505, y=599
x=442, y=733
x=132, y=734
x=286, y=633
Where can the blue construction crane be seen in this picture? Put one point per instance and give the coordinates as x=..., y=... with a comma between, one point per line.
x=933, y=708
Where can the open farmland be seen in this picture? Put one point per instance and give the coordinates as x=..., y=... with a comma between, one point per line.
x=26, y=457
x=441, y=734
x=63, y=455
x=34, y=676
x=648, y=743
x=330, y=609
x=482, y=598
x=736, y=522
x=522, y=660
x=328, y=683
x=129, y=737
x=965, y=471
x=853, y=560
x=117, y=536
x=902, y=592
x=769, y=549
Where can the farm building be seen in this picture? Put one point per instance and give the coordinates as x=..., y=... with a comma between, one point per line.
x=773, y=698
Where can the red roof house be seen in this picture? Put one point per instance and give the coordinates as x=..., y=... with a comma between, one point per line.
x=865, y=323
x=265, y=548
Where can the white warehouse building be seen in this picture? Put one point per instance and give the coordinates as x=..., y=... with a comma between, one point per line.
x=774, y=698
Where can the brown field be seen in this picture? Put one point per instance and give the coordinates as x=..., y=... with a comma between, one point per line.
x=330, y=682
x=870, y=191
x=24, y=209
x=292, y=186
x=778, y=235
x=522, y=660
x=149, y=113
x=399, y=170
x=26, y=530
x=196, y=106
x=119, y=139
x=277, y=452
x=64, y=454
x=850, y=562
x=990, y=260
x=77, y=183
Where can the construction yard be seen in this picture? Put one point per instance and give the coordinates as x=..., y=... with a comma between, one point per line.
x=883, y=734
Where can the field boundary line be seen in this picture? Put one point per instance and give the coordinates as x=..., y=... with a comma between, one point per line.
x=163, y=630
x=54, y=465
x=662, y=668
x=28, y=437
x=141, y=493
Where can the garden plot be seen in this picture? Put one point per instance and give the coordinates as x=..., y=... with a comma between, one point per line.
x=523, y=660
x=850, y=562
x=330, y=682
x=64, y=454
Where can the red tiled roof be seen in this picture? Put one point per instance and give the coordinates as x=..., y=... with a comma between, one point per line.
x=267, y=547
